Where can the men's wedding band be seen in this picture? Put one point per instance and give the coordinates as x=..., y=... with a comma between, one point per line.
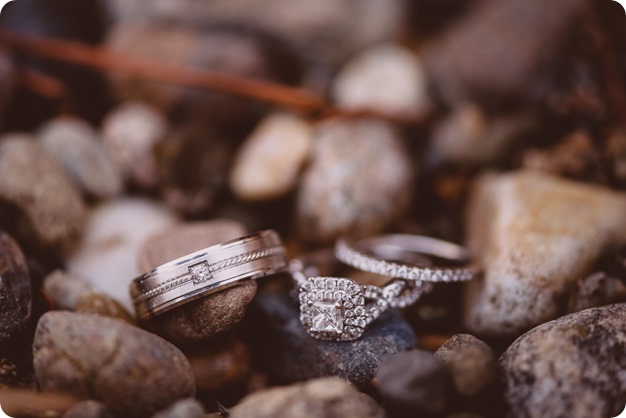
x=206, y=271
x=375, y=255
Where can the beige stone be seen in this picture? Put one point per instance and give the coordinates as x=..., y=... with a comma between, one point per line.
x=534, y=236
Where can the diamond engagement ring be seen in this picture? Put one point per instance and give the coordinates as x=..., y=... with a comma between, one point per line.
x=374, y=254
x=206, y=271
x=338, y=308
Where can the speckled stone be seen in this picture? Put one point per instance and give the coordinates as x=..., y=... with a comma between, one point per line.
x=269, y=161
x=98, y=303
x=329, y=397
x=413, y=383
x=290, y=354
x=388, y=79
x=213, y=314
x=186, y=408
x=570, y=367
x=64, y=290
x=596, y=290
x=359, y=180
x=130, y=133
x=88, y=409
x=534, y=236
x=15, y=289
x=51, y=211
x=132, y=372
x=471, y=362
x=78, y=148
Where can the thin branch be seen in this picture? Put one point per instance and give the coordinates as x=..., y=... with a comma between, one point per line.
x=103, y=59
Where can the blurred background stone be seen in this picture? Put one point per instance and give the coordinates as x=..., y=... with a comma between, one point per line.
x=98, y=303
x=359, y=180
x=385, y=78
x=39, y=204
x=64, y=290
x=595, y=290
x=88, y=409
x=78, y=148
x=108, y=253
x=186, y=408
x=131, y=133
x=269, y=161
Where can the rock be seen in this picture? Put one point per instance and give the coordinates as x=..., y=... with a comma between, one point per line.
x=88, y=409
x=132, y=372
x=193, y=167
x=217, y=312
x=290, y=354
x=520, y=230
x=387, y=79
x=570, y=367
x=329, y=397
x=78, y=148
x=224, y=48
x=107, y=256
x=268, y=163
x=98, y=303
x=359, y=180
x=186, y=408
x=463, y=69
x=413, y=382
x=130, y=134
x=328, y=31
x=49, y=211
x=222, y=365
x=7, y=78
x=471, y=362
x=15, y=289
x=8, y=373
x=616, y=152
x=469, y=137
x=596, y=290
x=64, y=290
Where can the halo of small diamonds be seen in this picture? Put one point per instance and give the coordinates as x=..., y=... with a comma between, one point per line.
x=333, y=308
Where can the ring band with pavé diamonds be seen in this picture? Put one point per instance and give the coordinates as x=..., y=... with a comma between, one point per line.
x=206, y=271
x=373, y=255
x=338, y=308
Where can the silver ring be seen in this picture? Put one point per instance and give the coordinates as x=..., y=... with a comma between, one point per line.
x=373, y=255
x=206, y=271
x=338, y=308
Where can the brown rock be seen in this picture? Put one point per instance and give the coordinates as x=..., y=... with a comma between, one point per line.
x=88, y=409
x=215, y=313
x=51, y=213
x=92, y=302
x=132, y=372
x=471, y=362
x=15, y=289
x=570, y=367
x=500, y=50
x=329, y=397
x=221, y=365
